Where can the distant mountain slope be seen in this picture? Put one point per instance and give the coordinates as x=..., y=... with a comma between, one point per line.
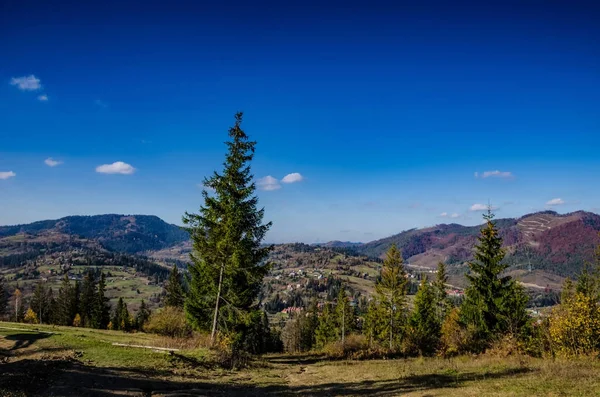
x=122, y=233
x=559, y=244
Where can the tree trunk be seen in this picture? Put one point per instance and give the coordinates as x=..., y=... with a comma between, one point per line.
x=391, y=327
x=343, y=325
x=214, y=325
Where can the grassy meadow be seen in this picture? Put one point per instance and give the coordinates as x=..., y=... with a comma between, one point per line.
x=63, y=361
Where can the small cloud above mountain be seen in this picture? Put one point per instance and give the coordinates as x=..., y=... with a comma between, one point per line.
x=554, y=202
x=482, y=207
x=117, y=167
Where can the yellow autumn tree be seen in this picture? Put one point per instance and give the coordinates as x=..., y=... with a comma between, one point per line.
x=31, y=317
x=77, y=321
x=575, y=326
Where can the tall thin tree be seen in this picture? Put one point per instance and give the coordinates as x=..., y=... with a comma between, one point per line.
x=228, y=258
x=174, y=294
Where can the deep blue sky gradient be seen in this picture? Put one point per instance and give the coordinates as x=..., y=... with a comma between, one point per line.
x=386, y=110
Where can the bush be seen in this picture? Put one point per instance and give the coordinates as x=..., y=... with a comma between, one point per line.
x=454, y=338
x=355, y=347
x=575, y=326
x=170, y=321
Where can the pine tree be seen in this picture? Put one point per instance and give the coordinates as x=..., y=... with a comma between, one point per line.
x=3, y=298
x=228, y=259
x=345, y=318
x=586, y=283
x=175, y=295
x=142, y=316
x=567, y=292
x=101, y=309
x=376, y=323
x=391, y=294
x=424, y=320
x=488, y=297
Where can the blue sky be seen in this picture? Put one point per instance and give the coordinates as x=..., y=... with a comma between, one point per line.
x=386, y=112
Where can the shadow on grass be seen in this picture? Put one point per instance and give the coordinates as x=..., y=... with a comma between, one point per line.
x=24, y=340
x=64, y=378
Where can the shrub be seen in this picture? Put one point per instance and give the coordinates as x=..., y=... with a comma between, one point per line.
x=354, y=347
x=170, y=321
x=77, y=321
x=575, y=326
x=454, y=337
x=30, y=317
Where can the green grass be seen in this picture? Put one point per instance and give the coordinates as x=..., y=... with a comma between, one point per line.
x=76, y=361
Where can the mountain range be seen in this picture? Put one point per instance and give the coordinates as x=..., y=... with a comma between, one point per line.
x=547, y=242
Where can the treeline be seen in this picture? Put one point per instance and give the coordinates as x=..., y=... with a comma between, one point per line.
x=492, y=315
x=78, y=304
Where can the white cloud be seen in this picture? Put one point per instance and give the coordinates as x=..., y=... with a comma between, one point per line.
x=268, y=183
x=444, y=214
x=495, y=174
x=43, y=98
x=50, y=162
x=7, y=174
x=292, y=178
x=454, y=215
x=26, y=83
x=555, y=201
x=117, y=167
x=482, y=207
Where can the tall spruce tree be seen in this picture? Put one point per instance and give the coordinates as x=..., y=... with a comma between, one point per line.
x=120, y=320
x=326, y=330
x=489, y=297
x=88, y=297
x=228, y=258
x=174, y=294
x=391, y=294
x=40, y=302
x=101, y=308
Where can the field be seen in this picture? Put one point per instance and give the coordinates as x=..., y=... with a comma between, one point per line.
x=62, y=361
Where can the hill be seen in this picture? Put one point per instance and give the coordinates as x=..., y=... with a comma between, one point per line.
x=121, y=233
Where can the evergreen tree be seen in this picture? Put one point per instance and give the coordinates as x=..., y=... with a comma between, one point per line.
x=391, y=295
x=567, y=292
x=88, y=297
x=439, y=285
x=375, y=323
x=228, y=259
x=488, y=297
x=120, y=320
x=325, y=331
x=175, y=295
x=424, y=321
x=3, y=298
x=40, y=303
x=100, y=308
x=142, y=316
x=65, y=313
x=345, y=318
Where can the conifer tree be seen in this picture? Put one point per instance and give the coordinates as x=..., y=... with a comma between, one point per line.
x=325, y=331
x=142, y=315
x=228, y=258
x=65, y=312
x=101, y=309
x=88, y=297
x=3, y=298
x=40, y=303
x=391, y=294
x=375, y=323
x=424, y=320
x=439, y=286
x=345, y=319
x=175, y=295
x=120, y=320
x=489, y=297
